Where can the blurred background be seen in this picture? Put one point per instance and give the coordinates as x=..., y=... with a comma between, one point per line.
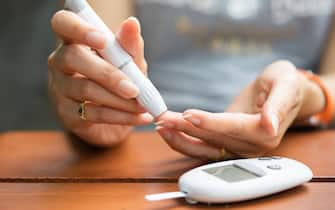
x=200, y=53
x=26, y=41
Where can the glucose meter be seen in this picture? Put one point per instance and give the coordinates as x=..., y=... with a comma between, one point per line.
x=238, y=180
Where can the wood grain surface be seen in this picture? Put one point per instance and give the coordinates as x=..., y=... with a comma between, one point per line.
x=51, y=170
x=130, y=196
x=54, y=155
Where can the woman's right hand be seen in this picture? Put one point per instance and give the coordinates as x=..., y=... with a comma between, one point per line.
x=77, y=74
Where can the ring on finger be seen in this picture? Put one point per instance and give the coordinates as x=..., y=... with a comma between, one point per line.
x=82, y=110
x=225, y=155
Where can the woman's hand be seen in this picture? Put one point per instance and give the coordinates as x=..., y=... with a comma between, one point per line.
x=77, y=74
x=254, y=123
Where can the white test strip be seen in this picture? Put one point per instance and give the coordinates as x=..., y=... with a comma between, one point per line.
x=165, y=196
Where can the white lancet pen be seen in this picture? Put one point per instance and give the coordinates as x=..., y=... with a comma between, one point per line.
x=149, y=97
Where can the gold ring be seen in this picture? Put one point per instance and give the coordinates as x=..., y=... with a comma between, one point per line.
x=225, y=155
x=82, y=111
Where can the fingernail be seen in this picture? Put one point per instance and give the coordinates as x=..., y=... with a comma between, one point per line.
x=136, y=20
x=185, y=116
x=128, y=89
x=148, y=117
x=159, y=123
x=162, y=123
x=190, y=118
x=158, y=128
x=275, y=124
x=96, y=38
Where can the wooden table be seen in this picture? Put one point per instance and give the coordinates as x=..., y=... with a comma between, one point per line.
x=51, y=170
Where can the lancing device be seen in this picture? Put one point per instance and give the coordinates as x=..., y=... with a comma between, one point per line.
x=148, y=97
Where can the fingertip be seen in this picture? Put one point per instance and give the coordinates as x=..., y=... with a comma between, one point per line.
x=57, y=19
x=73, y=29
x=129, y=37
x=192, y=119
x=135, y=21
x=146, y=118
x=168, y=116
x=159, y=123
x=158, y=128
x=131, y=26
x=161, y=117
x=193, y=116
x=187, y=116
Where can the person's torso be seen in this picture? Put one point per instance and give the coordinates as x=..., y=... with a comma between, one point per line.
x=201, y=53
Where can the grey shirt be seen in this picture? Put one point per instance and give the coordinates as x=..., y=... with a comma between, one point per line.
x=202, y=53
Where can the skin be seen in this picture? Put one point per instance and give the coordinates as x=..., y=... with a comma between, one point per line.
x=77, y=74
x=253, y=124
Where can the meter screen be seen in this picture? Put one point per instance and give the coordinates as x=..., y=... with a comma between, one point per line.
x=231, y=173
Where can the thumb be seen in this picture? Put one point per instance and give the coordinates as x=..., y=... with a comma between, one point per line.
x=130, y=38
x=277, y=109
x=270, y=119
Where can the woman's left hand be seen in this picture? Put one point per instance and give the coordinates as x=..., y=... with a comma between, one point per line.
x=254, y=123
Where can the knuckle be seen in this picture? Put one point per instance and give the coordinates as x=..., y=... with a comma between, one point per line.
x=85, y=90
x=51, y=59
x=100, y=114
x=66, y=56
x=73, y=50
x=105, y=74
x=54, y=56
x=69, y=53
x=106, y=115
x=111, y=77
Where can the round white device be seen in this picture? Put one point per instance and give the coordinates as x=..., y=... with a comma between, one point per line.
x=238, y=180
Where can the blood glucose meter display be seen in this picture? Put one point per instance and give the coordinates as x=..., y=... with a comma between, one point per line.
x=231, y=173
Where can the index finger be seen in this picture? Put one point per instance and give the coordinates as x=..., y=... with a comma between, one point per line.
x=237, y=125
x=72, y=29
